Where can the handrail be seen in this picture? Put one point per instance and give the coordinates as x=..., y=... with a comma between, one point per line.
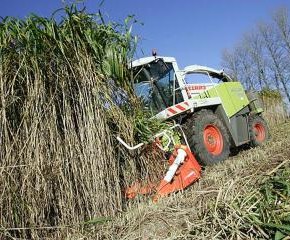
x=129, y=147
x=163, y=133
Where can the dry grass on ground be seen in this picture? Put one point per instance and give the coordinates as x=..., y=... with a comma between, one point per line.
x=219, y=206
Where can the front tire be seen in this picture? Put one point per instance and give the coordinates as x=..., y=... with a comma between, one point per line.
x=207, y=137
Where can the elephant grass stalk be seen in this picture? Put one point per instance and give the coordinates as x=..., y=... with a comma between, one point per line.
x=61, y=108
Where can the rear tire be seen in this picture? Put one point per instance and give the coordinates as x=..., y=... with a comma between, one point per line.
x=207, y=137
x=258, y=130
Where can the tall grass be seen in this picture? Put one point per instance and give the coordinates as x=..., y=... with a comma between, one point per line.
x=60, y=109
x=274, y=108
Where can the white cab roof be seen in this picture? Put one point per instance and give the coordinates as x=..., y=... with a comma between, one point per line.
x=146, y=60
x=199, y=68
x=204, y=69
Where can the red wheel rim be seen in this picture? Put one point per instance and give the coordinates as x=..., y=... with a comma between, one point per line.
x=260, y=132
x=213, y=139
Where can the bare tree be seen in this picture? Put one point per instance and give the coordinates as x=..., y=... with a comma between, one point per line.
x=254, y=47
x=246, y=74
x=231, y=63
x=281, y=21
x=276, y=54
x=251, y=62
x=262, y=58
x=282, y=24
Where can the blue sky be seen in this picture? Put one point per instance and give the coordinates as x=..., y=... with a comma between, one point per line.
x=194, y=32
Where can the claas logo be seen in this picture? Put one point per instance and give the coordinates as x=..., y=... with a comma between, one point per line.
x=196, y=87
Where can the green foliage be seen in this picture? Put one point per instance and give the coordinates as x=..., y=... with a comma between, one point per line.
x=175, y=138
x=145, y=127
x=272, y=210
x=271, y=93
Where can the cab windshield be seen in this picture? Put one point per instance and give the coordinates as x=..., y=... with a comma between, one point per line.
x=155, y=84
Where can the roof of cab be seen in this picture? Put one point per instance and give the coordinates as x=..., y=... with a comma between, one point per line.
x=146, y=60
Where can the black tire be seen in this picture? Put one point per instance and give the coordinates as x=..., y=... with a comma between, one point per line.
x=258, y=130
x=198, y=131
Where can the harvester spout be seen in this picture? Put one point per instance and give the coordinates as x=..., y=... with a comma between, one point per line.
x=183, y=171
x=181, y=154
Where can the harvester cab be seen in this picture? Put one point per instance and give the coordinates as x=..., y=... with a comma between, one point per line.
x=155, y=82
x=160, y=84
